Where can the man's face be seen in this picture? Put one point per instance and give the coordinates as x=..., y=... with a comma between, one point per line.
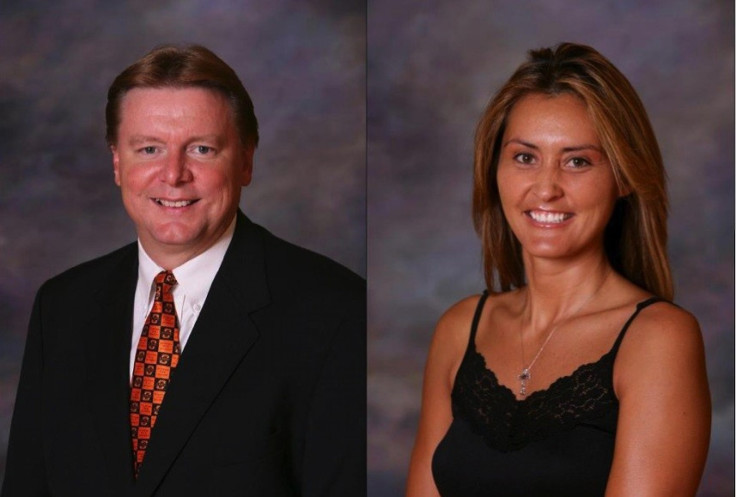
x=180, y=166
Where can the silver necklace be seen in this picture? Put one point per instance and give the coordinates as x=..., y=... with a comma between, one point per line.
x=526, y=373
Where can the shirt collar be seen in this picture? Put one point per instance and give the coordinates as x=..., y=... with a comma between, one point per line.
x=195, y=276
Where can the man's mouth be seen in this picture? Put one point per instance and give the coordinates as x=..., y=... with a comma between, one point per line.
x=545, y=217
x=173, y=203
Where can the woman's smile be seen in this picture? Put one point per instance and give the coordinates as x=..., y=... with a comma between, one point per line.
x=548, y=217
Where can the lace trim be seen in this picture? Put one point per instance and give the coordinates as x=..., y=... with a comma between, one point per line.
x=506, y=423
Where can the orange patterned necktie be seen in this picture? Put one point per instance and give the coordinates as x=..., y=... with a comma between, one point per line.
x=156, y=357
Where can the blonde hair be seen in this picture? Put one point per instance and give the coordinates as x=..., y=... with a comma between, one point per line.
x=635, y=239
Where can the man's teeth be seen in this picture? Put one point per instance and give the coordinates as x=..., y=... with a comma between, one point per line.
x=548, y=217
x=174, y=203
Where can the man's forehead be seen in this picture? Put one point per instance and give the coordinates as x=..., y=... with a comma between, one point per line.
x=153, y=114
x=158, y=92
x=174, y=102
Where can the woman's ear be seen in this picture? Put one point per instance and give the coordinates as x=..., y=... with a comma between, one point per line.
x=624, y=189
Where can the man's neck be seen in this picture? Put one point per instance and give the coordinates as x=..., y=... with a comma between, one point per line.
x=170, y=259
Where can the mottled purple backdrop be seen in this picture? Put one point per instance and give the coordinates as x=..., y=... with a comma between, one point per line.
x=432, y=66
x=303, y=63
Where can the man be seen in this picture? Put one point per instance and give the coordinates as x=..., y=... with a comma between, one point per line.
x=209, y=359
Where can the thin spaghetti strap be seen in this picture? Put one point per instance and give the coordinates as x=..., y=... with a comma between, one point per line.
x=639, y=307
x=476, y=317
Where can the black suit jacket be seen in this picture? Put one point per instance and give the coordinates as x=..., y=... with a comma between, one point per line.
x=268, y=398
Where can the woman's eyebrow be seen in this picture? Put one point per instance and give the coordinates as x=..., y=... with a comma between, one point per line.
x=520, y=142
x=575, y=148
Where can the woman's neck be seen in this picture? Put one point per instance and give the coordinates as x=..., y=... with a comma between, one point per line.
x=558, y=290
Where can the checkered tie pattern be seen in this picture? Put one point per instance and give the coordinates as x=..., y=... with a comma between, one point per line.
x=156, y=357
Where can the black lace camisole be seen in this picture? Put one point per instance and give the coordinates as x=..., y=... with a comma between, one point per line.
x=555, y=442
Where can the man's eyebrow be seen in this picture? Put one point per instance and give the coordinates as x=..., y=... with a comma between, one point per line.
x=137, y=139
x=212, y=137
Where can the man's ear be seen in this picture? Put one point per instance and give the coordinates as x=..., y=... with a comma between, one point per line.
x=247, y=164
x=115, y=163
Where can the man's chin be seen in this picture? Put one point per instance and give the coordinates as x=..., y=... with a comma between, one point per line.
x=172, y=240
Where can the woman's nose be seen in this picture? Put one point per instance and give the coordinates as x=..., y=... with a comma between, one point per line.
x=547, y=185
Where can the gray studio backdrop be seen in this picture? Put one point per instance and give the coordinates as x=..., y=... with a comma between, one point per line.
x=303, y=63
x=432, y=67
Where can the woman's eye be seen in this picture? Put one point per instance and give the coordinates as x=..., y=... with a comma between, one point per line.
x=579, y=162
x=524, y=158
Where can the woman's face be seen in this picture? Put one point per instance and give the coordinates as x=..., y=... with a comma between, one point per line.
x=556, y=185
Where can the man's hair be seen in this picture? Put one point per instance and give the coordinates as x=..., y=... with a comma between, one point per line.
x=636, y=235
x=190, y=66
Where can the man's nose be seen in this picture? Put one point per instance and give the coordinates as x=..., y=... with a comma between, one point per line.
x=175, y=169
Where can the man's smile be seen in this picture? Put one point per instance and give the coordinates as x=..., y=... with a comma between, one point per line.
x=174, y=203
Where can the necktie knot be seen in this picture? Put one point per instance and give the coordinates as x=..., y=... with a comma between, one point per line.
x=164, y=282
x=165, y=277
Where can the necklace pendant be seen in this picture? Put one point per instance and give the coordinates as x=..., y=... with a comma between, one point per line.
x=523, y=378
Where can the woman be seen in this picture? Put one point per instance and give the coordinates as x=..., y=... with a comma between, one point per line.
x=575, y=375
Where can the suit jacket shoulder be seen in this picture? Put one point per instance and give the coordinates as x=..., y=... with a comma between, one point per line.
x=294, y=269
x=94, y=274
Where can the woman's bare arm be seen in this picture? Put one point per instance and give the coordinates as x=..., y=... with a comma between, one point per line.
x=664, y=421
x=445, y=353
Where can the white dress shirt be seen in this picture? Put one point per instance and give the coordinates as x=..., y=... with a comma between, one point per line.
x=194, y=279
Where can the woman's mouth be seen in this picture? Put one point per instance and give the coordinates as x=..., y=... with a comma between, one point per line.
x=546, y=217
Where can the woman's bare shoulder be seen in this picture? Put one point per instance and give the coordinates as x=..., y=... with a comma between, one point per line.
x=460, y=313
x=453, y=327
x=664, y=322
x=663, y=337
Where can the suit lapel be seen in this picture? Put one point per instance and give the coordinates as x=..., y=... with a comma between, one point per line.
x=221, y=338
x=107, y=338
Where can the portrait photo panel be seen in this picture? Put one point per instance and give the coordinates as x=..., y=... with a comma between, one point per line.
x=432, y=69
x=303, y=64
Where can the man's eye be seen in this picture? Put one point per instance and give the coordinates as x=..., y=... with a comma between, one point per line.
x=149, y=150
x=203, y=149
